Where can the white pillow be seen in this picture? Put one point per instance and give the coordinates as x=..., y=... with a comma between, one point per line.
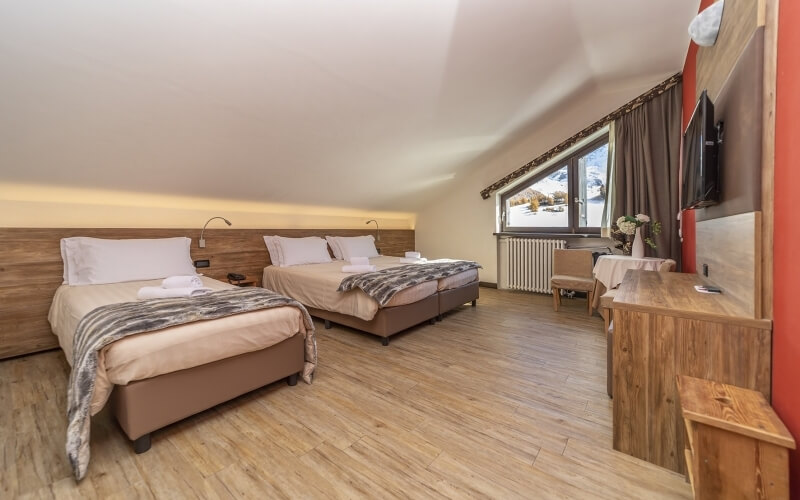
x=357, y=246
x=65, y=260
x=310, y=250
x=70, y=253
x=274, y=249
x=96, y=261
x=334, y=243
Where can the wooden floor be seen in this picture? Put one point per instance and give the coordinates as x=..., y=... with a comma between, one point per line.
x=506, y=400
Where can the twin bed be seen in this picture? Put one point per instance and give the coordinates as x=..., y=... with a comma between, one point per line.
x=166, y=371
x=140, y=373
x=315, y=286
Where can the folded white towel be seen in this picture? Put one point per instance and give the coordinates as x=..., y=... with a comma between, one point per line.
x=182, y=282
x=359, y=269
x=359, y=261
x=407, y=260
x=413, y=255
x=156, y=292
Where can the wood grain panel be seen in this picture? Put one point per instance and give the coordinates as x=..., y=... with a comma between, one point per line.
x=664, y=328
x=630, y=390
x=740, y=18
x=768, y=106
x=731, y=247
x=733, y=409
x=737, y=446
x=31, y=268
x=663, y=431
x=644, y=292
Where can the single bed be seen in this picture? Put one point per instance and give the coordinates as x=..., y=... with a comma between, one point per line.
x=315, y=286
x=156, y=378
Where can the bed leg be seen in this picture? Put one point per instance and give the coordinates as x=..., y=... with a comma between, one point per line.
x=439, y=317
x=327, y=324
x=292, y=379
x=142, y=444
x=432, y=321
x=384, y=341
x=474, y=302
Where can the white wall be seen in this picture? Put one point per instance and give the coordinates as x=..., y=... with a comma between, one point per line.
x=460, y=224
x=58, y=206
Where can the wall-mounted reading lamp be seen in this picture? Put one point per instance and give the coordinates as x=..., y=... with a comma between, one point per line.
x=202, y=242
x=378, y=229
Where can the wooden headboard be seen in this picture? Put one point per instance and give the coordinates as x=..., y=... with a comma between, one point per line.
x=31, y=268
x=739, y=72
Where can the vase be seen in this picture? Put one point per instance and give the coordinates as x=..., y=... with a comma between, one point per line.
x=637, y=249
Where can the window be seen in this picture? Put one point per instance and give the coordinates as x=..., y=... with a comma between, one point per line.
x=567, y=198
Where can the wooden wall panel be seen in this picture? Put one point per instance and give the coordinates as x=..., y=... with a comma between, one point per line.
x=740, y=18
x=31, y=268
x=738, y=106
x=769, y=106
x=731, y=247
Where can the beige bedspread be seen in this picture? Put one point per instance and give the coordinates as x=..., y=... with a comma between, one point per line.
x=315, y=286
x=155, y=353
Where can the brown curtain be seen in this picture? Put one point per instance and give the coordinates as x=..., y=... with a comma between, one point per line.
x=646, y=167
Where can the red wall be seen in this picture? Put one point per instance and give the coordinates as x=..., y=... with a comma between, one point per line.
x=786, y=249
x=688, y=259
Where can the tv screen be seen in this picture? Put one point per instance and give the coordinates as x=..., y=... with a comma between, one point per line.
x=700, y=169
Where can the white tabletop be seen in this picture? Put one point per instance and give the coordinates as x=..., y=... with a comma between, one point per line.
x=610, y=269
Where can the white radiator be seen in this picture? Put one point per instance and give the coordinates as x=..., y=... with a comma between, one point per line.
x=528, y=263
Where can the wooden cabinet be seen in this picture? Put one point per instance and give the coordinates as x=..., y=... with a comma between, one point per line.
x=737, y=446
x=663, y=328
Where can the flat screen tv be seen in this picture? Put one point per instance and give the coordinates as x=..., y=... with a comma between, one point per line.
x=700, y=167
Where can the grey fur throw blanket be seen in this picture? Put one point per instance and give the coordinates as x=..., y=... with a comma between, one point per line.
x=112, y=322
x=384, y=284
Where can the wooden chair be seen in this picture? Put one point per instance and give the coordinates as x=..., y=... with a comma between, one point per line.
x=572, y=270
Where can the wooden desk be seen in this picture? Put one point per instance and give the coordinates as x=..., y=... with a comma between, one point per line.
x=664, y=328
x=609, y=270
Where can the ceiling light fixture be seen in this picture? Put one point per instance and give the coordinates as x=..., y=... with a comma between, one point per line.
x=202, y=242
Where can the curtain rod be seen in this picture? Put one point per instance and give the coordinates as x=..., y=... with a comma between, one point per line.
x=594, y=127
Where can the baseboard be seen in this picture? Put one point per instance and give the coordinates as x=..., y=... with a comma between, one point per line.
x=486, y=284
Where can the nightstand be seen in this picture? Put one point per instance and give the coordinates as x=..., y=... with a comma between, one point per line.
x=737, y=447
x=245, y=282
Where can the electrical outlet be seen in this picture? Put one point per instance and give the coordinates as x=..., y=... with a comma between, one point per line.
x=202, y=263
x=705, y=270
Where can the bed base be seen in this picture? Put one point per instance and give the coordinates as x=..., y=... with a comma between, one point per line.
x=388, y=320
x=456, y=297
x=144, y=406
x=391, y=320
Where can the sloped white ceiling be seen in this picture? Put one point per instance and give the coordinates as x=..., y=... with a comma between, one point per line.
x=358, y=103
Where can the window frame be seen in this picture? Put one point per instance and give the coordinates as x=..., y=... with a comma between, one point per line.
x=571, y=162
